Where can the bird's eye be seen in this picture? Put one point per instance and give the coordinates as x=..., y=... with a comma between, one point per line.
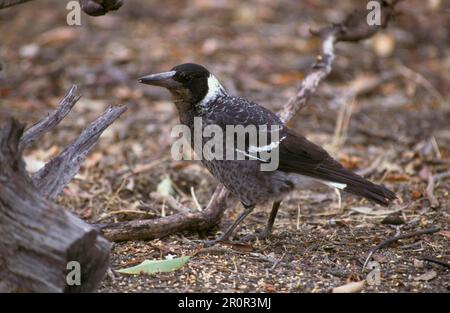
x=184, y=77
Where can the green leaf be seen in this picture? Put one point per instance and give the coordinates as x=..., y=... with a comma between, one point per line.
x=165, y=187
x=152, y=266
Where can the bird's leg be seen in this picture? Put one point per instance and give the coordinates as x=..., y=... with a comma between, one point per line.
x=247, y=210
x=268, y=230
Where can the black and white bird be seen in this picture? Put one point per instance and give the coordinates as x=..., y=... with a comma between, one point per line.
x=198, y=93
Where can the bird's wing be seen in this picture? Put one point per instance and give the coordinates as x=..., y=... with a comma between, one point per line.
x=298, y=155
x=239, y=111
x=235, y=112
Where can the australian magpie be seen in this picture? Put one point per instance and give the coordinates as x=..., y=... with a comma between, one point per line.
x=198, y=94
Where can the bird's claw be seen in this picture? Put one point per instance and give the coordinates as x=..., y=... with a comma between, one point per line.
x=259, y=235
x=210, y=243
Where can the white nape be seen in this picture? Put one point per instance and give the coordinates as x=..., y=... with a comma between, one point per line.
x=214, y=89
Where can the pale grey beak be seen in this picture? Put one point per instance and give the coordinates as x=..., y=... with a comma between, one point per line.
x=161, y=79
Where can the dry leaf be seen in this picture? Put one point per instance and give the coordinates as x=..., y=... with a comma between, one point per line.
x=32, y=164
x=426, y=276
x=270, y=288
x=444, y=233
x=418, y=263
x=350, y=288
x=415, y=194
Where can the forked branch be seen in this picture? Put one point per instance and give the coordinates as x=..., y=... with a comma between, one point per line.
x=354, y=28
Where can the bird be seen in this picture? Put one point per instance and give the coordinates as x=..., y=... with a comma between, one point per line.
x=197, y=93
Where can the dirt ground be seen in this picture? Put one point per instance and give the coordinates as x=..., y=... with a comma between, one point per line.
x=398, y=134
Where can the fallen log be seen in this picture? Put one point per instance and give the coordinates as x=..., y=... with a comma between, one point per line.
x=45, y=248
x=354, y=28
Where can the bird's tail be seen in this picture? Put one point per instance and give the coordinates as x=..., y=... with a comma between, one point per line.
x=341, y=178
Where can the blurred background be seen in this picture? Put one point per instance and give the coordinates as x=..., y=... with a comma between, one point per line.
x=259, y=49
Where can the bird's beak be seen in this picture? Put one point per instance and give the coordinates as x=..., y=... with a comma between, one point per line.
x=161, y=79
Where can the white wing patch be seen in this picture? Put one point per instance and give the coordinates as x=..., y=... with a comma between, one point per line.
x=251, y=156
x=266, y=148
x=334, y=185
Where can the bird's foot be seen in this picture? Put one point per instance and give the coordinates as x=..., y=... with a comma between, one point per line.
x=210, y=243
x=261, y=235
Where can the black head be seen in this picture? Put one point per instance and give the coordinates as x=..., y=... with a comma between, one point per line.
x=188, y=81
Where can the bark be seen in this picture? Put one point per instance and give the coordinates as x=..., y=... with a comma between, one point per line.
x=39, y=238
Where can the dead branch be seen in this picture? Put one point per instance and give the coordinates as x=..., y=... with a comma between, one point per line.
x=53, y=119
x=10, y=3
x=345, y=100
x=39, y=237
x=161, y=227
x=393, y=239
x=354, y=28
x=441, y=176
x=436, y=261
x=90, y=7
x=171, y=202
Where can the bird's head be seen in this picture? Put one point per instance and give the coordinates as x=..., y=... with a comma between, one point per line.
x=189, y=83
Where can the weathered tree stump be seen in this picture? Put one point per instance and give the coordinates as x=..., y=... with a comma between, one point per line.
x=353, y=28
x=39, y=239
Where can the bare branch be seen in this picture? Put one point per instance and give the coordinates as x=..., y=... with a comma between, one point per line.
x=355, y=26
x=54, y=118
x=320, y=69
x=57, y=173
x=391, y=240
x=164, y=226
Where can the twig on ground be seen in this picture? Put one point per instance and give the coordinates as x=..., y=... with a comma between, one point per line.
x=434, y=203
x=277, y=262
x=194, y=197
x=59, y=171
x=54, y=118
x=164, y=226
x=171, y=202
x=372, y=167
x=215, y=250
x=436, y=261
x=441, y=176
x=342, y=123
x=422, y=81
x=393, y=239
